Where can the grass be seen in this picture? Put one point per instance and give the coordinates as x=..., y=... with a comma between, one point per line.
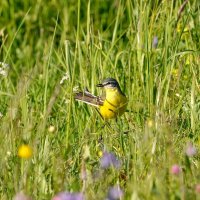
x=91, y=40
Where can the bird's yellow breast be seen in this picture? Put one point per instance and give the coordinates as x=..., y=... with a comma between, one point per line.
x=114, y=104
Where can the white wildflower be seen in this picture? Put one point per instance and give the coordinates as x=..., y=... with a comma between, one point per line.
x=75, y=88
x=51, y=129
x=65, y=77
x=67, y=101
x=178, y=95
x=4, y=69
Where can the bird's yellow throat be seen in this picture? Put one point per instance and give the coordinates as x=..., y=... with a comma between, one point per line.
x=114, y=104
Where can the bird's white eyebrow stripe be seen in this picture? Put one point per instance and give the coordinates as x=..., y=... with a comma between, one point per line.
x=110, y=82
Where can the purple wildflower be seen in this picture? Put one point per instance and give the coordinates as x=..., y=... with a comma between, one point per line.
x=175, y=169
x=190, y=150
x=155, y=42
x=108, y=160
x=115, y=193
x=68, y=196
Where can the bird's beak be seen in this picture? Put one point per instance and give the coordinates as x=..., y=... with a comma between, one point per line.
x=100, y=85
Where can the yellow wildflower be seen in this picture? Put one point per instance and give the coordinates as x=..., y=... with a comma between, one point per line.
x=150, y=123
x=25, y=151
x=189, y=60
x=180, y=28
x=175, y=72
x=100, y=154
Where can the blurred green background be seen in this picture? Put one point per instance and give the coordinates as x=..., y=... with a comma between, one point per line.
x=150, y=47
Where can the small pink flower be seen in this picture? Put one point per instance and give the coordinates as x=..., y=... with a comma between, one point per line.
x=190, y=150
x=197, y=188
x=68, y=196
x=175, y=169
x=83, y=174
x=21, y=196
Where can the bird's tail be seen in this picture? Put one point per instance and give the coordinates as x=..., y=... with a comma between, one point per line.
x=88, y=98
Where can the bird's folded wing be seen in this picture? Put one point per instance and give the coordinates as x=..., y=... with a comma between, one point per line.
x=89, y=98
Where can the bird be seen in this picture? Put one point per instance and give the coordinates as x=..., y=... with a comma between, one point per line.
x=112, y=104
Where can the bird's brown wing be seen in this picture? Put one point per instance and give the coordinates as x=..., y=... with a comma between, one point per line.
x=89, y=98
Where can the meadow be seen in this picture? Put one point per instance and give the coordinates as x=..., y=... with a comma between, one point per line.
x=55, y=147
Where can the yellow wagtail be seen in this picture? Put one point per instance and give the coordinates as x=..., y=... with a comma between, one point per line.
x=112, y=104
